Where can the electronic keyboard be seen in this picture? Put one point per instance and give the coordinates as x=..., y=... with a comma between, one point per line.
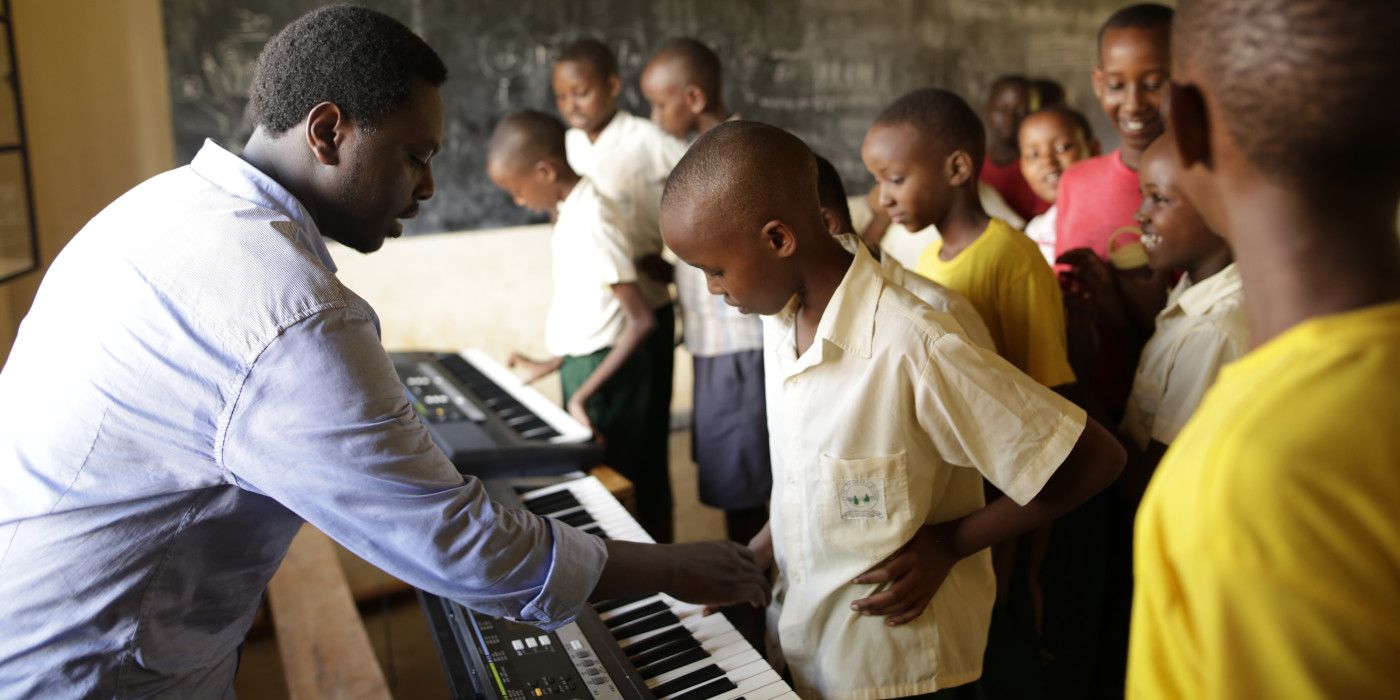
x=648, y=647
x=489, y=422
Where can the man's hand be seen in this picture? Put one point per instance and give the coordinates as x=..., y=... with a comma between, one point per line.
x=914, y=573
x=717, y=574
x=534, y=369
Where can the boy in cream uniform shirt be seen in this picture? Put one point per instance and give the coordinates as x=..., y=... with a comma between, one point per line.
x=887, y=423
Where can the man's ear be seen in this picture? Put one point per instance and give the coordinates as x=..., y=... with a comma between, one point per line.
x=1096, y=79
x=780, y=238
x=1186, y=112
x=614, y=86
x=326, y=128
x=958, y=168
x=695, y=99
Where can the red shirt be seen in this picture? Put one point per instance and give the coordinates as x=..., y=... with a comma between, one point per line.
x=1012, y=185
x=1097, y=197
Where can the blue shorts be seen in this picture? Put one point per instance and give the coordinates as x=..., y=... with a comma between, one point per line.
x=730, y=431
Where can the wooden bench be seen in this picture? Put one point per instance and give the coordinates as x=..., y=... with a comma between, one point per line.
x=325, y=650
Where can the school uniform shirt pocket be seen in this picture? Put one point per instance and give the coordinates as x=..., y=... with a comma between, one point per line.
x=864, y=506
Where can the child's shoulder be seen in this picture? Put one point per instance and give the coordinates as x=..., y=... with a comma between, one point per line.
x=904, y=313
x=587, y=208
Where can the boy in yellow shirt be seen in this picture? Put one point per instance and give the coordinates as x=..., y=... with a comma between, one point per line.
x=888, y=423
x=925, y=151
x=1267, y=546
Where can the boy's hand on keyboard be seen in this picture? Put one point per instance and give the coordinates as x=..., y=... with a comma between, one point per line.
x=578, y=408
x=914, y=574
x=717, y=574
x=534, y=369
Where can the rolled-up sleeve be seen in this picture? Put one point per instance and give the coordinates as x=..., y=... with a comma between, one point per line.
x=321, y=424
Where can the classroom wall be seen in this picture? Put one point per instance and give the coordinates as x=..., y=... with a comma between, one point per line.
x=97, y=111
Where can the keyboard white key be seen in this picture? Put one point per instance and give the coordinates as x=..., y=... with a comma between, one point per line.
x=724, y=648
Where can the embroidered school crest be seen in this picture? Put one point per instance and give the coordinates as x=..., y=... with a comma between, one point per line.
x=862, y=498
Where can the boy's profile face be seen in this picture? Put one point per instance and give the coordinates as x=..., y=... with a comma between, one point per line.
x=1050, y=142
x=586, y=99
x=665, y=89
x=913, y=185
x=1006, y=107
x=1131, y=81
x=1173, y=232
x=383, y=173
x=529, y=185
x=737, y=264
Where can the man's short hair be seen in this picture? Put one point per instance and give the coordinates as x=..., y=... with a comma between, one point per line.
x=363, y=61
x=526, y=137
x=700, y=63
x=943, y=118
x=831, y=193
x=1148, y=15
x=592, y=52
x=1309, y=89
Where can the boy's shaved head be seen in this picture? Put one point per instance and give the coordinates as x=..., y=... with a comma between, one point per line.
x=697, y=64
x=1309, y=89
x=747, y=172
x=1146, y=15
x=593, y=53
x=943, y=118
x=526, y=137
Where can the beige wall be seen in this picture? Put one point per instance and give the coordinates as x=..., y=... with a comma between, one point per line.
x=92, y=76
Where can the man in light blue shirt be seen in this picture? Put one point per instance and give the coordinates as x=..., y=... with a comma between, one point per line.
x=192, y=382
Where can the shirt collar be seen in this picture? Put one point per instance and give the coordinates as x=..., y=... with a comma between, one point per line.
x=615, y=130
x=848, y=321
x=1199, y=298
x=239, y=178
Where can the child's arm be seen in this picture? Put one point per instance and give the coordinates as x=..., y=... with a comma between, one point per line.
x=917, y=570
x=536, y=368
x=640, y=323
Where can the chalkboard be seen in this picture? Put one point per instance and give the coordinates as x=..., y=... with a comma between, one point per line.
x=821, y=68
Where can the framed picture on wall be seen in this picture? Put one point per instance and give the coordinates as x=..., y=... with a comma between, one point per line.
x=19, y=250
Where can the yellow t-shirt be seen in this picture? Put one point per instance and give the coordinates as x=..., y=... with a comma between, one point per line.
x=1267, y=553
x=1005, y=277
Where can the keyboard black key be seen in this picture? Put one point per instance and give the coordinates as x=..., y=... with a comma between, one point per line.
x=650, y=624
x=665, y=650
x=689, y=680
x=577, y=518
x=636, y=614
x=616, y=603
x=637, y=648
x=551, y=502
x=709, y=690
x=673, y=663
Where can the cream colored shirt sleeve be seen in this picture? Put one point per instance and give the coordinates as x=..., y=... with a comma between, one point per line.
x=982, y=412
x=1198, y=359
x=610, y=255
